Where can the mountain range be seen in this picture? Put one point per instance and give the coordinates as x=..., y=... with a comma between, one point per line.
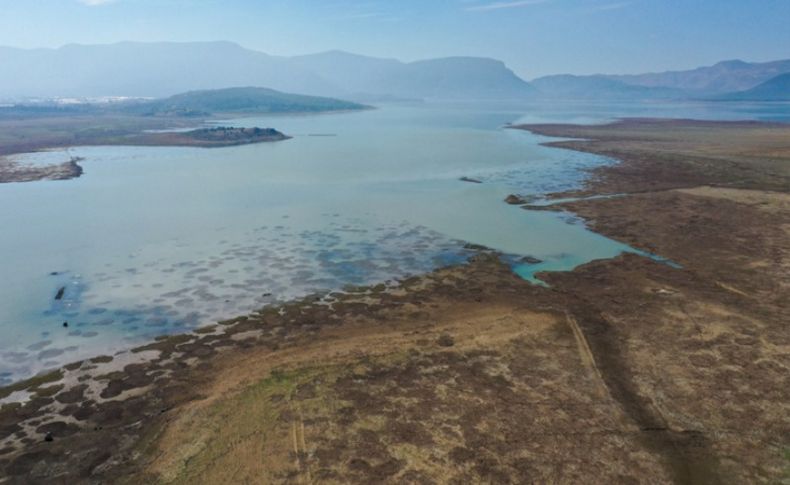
x=166, y=68
x=724, y=80
x=775, y=89
x=161, y=69
x=190, y=104
x=724, y=77
x=567, y=86
x=235, y=100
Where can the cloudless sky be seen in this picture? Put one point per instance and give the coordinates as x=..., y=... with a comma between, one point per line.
x=534, y=37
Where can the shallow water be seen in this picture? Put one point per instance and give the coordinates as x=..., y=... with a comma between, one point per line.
x=160, y=240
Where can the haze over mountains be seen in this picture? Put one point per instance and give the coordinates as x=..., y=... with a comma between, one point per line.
x=775, y=89
x=723, y=77
x=722, y=80
x=565, y=86
x=165, y=68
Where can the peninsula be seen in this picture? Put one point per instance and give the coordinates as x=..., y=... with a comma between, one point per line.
x=162, y=122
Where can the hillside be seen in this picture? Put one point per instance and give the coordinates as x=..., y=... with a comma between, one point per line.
x=160, y=122
x=598, y=87
x=234, y=100
x=155, y=69
x=163, y=69
x=723, y=77
x=775, y=89
x=190, y=104
x=354, y=73
x=451, y=77
x=456, y=77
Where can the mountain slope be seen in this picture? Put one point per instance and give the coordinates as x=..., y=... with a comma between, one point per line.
x=724, y=77
x=775, y=89
x=355, y=73
x=190, y=104
x=148, y=70
x=452, y=77
x=240, y=100
x=456, y=77
x=567, y=86
x=165, y=68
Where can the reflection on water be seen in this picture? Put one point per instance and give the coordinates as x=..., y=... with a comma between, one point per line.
x=160, y=240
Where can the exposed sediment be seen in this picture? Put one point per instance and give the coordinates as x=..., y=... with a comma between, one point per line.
x=12, y=171
x=19, y=136
x=625, y=370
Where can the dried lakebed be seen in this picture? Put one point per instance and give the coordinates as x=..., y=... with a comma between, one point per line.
x=622, y=369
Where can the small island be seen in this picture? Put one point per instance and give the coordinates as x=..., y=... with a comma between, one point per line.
x=220, y=136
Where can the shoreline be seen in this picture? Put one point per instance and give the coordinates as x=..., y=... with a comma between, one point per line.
x=637, y=353
x=626, y=140
x=53, y=133
x=12, y=171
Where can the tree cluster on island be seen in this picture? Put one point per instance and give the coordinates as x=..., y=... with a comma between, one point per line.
x=230, y=134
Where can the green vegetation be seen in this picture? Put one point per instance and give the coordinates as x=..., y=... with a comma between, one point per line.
x=229, y=134
x=27, y=128
x=33, y=384
x=194, y=104
x=256, y=429
x=235, y=100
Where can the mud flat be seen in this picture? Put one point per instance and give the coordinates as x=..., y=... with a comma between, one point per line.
x=31, y=135
x=12, y=171
x=622, y=371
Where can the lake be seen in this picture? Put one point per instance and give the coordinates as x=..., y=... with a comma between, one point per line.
x=153, y=241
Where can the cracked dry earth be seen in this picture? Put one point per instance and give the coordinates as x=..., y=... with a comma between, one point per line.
x=621, y=371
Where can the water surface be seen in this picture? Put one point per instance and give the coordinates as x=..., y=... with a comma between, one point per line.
x=160, y=240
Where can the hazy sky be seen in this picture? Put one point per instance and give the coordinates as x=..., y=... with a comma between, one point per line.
x=534, y=37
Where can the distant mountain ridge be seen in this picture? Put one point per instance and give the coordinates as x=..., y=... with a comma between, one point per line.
x=243, y=99
x=165, y=68
x=449, y=77
x=700, y=83
x=161, y=69
x=567, y=86
x=148, y=70
x=356, y=73
x=190, y=104
x=723, y=77
x=775, y=89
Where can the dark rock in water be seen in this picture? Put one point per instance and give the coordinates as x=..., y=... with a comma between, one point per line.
x=445, y=340
x=467, y=179
x=48, y=437
x=60, y=293
x=513, y=199
x=476, y=247
x=530, y=260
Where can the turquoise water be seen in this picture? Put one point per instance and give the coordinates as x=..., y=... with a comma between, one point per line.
x=160, y=240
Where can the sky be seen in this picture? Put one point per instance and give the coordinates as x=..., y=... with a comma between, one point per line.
x=534, y=37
